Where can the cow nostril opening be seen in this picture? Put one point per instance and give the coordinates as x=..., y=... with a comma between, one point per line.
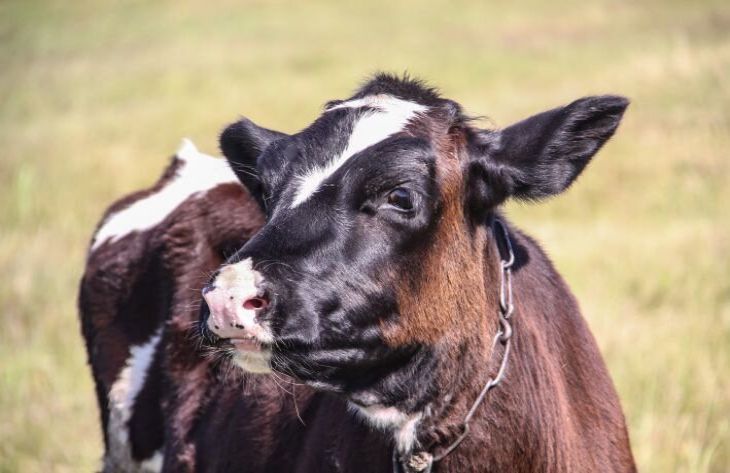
x=255, y=303
x=207, y=289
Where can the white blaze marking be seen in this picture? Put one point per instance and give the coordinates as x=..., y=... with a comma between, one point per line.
x=198, y=173
x=391, y=116
x=122, y=396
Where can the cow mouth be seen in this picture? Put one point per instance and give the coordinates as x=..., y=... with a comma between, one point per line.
x=247, y=344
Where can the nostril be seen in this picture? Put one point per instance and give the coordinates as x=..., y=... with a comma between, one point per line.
x=255, y=303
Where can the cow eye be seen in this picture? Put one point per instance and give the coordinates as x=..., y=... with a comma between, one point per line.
x=401, y=198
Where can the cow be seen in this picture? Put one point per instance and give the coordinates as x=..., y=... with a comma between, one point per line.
x=385, y=316
x=382, y=277
x=152, y=250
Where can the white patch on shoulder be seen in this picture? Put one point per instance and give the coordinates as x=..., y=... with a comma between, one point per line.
x=122, y=396
x=401, y=424
x=391, y=116
x=198, y=173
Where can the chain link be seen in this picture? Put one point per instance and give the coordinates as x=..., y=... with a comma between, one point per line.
x=421, y=461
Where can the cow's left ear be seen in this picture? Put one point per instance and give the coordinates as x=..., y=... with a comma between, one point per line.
x=542, y=155
x=242, y=143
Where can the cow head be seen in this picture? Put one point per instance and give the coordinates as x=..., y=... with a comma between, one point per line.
x=371, y=265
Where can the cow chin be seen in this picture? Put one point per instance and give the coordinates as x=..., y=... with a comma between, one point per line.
x=341, y=367
x=258, y=362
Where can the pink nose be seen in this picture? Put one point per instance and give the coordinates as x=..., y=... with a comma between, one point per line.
x=233, y=314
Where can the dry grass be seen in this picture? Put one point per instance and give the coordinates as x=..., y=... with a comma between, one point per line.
x=95, y=95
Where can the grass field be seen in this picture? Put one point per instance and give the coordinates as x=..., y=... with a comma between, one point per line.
x=95, y=96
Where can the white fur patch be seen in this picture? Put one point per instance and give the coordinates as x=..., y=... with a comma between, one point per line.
x=401, y=424
x=253, y=362
x=198, y=173
x=405, y=435
x=391, y=116
x=122, y=396
x=153, y=464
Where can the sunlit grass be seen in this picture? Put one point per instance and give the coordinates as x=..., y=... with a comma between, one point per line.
x=94, y=97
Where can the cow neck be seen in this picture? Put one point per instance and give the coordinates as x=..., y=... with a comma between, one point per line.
x=421, y=460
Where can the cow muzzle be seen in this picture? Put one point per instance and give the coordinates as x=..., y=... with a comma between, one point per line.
x=236, y=299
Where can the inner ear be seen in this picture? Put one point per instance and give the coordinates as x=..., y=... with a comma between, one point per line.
x=242, y=143
x=542, y=155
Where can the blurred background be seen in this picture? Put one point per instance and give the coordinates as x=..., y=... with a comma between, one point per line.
x=95, y=97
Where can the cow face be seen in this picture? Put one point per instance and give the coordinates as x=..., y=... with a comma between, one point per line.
x=370, y=264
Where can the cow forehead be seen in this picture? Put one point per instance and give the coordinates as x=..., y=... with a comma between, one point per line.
x=382, y=117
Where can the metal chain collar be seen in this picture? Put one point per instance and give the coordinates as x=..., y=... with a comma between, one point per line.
x=422, y=461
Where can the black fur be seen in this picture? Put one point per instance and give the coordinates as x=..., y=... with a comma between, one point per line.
x=542, y=155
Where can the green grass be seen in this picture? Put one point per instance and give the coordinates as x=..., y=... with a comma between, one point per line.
x=94, y=97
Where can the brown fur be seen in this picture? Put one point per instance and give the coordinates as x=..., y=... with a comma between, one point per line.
x=444, y=293
x=557, y=410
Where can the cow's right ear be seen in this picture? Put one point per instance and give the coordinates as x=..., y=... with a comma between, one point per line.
x=242, y=143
